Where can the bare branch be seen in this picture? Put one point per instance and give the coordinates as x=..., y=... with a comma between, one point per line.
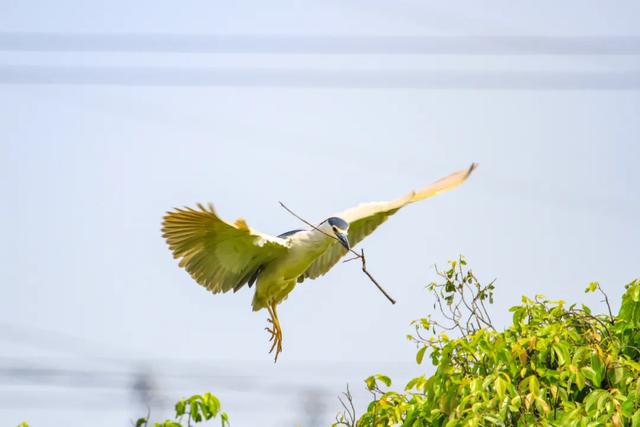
x=606, y=301
x=348, y=417
x=356, y=254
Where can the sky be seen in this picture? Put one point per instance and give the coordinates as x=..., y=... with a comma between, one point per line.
x=320, y=105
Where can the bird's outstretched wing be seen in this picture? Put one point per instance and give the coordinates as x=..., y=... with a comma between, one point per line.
x=365, y=218
x=218, y=255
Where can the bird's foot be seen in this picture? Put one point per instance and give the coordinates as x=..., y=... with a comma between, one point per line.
x=276, y=337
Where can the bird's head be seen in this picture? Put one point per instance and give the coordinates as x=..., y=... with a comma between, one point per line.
x=339, y=228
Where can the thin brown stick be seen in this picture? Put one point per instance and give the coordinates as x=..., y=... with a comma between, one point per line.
x=356, y=254
x=606, y=301
x=348, y=417
x=375, y=282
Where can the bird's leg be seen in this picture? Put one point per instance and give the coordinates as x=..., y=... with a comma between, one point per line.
x=275, y=330
x=271, y=329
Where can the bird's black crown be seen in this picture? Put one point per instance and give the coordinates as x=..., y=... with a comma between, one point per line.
x=338, y=222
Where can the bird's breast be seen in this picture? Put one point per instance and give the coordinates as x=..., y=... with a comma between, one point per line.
x=304, y=250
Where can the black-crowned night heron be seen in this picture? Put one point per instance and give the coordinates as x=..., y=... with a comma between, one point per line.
x=223, y=256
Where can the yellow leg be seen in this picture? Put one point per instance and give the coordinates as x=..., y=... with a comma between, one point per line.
x=275, y=330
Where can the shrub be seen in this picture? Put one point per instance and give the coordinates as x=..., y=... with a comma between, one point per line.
x=554, y=365
x=196, y=409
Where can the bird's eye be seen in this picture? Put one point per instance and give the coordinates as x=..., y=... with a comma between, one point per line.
x=335, y=229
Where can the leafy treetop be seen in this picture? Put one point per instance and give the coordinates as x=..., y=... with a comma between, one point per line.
x=553, y=366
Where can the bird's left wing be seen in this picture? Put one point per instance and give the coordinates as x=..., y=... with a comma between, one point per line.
x=365, y=218
x=218, y=255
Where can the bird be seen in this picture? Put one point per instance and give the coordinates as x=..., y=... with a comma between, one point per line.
x=225, y=256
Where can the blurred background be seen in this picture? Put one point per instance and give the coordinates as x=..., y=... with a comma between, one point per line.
x=113, y=112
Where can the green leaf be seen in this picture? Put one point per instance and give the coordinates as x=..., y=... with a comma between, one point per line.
x=371, y=383
x=579, y=380
x=590, y=374
x=616, y=374
x=194, y=411
x=542, y=405
x=516, y=402
x=500, y=386
x=420, y=355
x=224, y=417
x=602, y=401
x=591, y=401
x=210, y=406
x=599, y=369
x=630, y=307
x=534, y=385
x=385, y=379
x=635, y=420
x=418, y=383
x=562, y=353
x=593, y=286
x=181, y=407
x=627, y=406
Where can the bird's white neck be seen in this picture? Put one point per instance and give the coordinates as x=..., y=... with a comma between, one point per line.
x=313, y=240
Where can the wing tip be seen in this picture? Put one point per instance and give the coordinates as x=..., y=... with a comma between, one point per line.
x=473, y=167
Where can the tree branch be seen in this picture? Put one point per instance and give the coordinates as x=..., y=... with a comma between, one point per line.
x=356, y=254
x=606, y=301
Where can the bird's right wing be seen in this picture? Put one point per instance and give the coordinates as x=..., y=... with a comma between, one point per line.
x=218, y=255
x=365, y=218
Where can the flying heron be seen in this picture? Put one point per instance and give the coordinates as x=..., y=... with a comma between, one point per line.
x=223, y=256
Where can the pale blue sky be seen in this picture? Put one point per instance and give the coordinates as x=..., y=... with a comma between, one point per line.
x=87, y=171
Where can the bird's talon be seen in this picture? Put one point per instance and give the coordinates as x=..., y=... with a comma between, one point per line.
x=275, y=332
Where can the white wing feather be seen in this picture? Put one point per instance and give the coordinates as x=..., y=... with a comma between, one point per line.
x=365, y=218
x=218, y=255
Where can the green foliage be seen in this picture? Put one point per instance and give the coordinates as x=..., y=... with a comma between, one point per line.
x=196, y=409
x=553, y=366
